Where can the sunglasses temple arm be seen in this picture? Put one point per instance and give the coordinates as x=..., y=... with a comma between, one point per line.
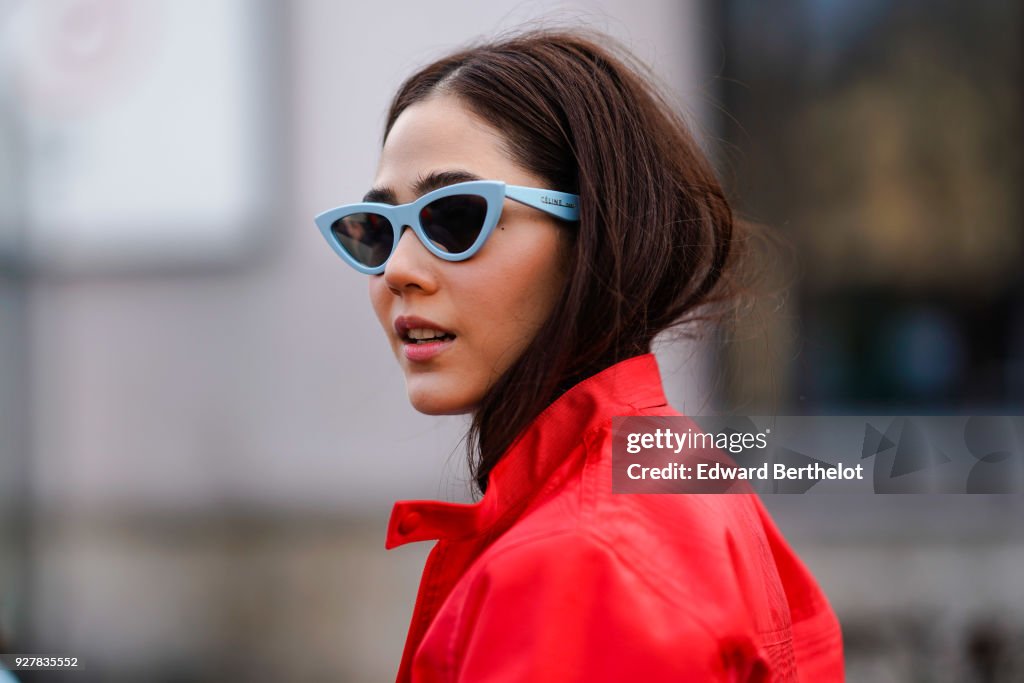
x=559, y=204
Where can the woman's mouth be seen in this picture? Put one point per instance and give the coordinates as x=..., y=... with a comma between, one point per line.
x=422, y=339
x=422, y=344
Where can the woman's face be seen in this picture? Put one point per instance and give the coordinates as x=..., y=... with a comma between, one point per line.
x=494, y=302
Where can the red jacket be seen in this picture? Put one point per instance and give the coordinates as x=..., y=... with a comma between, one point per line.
x=551, y=577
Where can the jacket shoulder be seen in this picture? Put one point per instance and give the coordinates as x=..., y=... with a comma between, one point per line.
x=708, y=549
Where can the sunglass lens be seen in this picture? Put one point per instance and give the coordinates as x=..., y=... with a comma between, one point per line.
x=453, y=223
x=367, y=237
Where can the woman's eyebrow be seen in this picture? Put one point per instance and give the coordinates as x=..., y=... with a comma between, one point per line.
x=424, y=184
x=438, y=179
x=380, y=195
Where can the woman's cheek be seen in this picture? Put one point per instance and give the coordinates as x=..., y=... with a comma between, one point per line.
x=378, y=299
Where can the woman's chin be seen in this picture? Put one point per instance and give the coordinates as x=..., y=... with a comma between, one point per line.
x=430, y=398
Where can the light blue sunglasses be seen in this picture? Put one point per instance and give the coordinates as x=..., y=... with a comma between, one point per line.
x=452, y=222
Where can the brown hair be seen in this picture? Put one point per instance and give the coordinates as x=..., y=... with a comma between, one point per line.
x=655, y=236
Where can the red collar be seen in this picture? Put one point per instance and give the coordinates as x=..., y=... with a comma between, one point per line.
x=628, y=385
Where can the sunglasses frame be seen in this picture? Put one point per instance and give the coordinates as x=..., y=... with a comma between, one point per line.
x=558, y=204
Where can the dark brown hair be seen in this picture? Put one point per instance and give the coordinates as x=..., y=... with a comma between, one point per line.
x=655, y=237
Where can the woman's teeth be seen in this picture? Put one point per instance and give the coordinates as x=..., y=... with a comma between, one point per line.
x=423, y=335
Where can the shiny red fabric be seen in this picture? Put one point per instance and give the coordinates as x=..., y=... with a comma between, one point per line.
x=551, y=577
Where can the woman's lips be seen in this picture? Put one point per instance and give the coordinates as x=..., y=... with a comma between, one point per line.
x=424, y=351
x=407, y=326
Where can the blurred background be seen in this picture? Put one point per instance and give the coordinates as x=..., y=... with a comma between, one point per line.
x=203, y=429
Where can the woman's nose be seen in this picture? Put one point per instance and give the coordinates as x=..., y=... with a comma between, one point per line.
x=411, y=266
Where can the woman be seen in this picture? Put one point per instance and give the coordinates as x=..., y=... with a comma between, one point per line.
x=562, y=216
